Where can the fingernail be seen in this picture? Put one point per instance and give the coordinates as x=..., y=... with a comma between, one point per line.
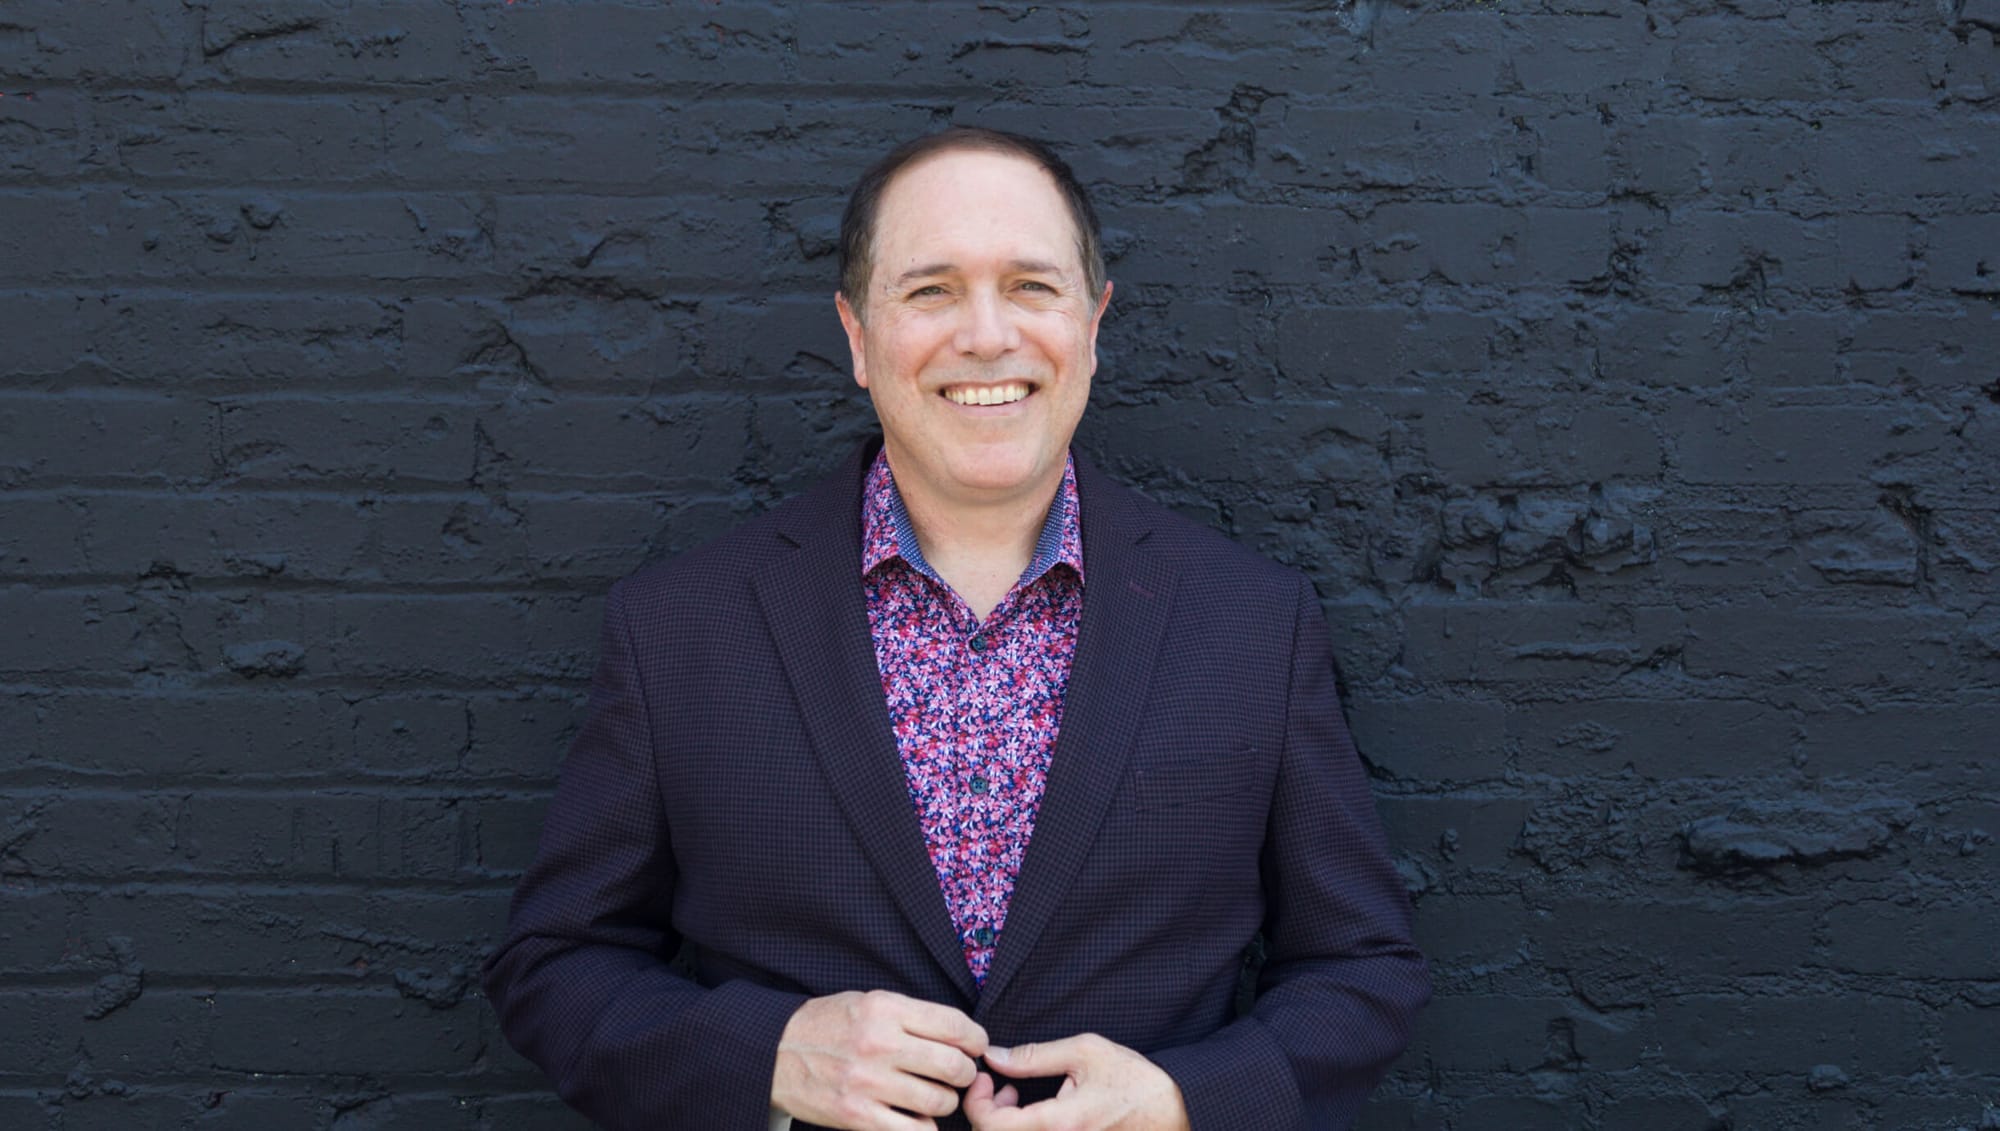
x=996, y=1054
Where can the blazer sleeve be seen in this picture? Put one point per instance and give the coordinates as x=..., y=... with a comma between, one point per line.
x=1343, y=981
x=581, y=981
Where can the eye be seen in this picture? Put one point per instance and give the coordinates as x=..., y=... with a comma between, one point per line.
x=1032, y=284
x=927, y=291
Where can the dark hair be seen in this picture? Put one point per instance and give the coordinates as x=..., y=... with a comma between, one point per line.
x=857, y=223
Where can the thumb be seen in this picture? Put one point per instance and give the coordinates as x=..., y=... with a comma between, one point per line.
x=1047, y=1058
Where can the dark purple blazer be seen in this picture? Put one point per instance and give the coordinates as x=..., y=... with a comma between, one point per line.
x=736, y=788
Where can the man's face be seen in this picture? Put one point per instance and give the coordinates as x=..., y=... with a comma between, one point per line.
x=979, y=336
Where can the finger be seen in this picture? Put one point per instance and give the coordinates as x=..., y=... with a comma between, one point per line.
x=1009, y=1096
x=935, y=1022
x=935, y=1061
x=979, y=1097
x=980, y=1089
x=917, y=1095
x=1067, y=1057
x=1044, y=1116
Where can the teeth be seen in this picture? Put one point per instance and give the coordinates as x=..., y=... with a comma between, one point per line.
x=987, y=394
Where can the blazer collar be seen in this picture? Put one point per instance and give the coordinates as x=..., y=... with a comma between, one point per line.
x=814, y=604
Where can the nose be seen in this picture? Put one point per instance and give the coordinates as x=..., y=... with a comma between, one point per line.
x=987, y=329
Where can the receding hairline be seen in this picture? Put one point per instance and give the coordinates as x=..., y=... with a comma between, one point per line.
x=973, y=146
x=875, y=186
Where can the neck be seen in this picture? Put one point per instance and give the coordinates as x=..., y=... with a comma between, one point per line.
x=979, y=546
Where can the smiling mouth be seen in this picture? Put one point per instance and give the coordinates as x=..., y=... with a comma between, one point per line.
x=1006, y=393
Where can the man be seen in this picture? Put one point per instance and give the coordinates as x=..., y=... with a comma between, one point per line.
x=961, y=783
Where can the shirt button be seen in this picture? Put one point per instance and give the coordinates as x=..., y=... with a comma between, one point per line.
x=983, y=937
x=981, y=785
x=980, y=643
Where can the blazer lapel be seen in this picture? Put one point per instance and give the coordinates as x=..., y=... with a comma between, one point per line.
x=1127, y=596
x=818, y=616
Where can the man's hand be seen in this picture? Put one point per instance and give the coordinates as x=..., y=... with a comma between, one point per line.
x=849, y=1060
x=1109, y=1088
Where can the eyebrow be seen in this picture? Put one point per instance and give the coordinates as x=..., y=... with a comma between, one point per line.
x=1030, y=266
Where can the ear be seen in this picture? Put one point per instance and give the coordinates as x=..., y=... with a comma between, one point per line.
x=1096, y=318
x=851, y=322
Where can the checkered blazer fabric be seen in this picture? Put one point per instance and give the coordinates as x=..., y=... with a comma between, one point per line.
x=736, y=795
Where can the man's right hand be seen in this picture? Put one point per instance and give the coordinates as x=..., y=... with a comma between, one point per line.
x=850, y=1060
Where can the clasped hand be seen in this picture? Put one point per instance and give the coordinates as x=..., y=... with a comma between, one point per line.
x=880, y=1061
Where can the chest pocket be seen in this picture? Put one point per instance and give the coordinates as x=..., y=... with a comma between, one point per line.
x=1185, y=779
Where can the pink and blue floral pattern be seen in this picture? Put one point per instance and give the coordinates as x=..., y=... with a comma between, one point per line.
x=975, y=706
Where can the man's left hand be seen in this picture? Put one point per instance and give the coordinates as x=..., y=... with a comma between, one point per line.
x=1107, y=1087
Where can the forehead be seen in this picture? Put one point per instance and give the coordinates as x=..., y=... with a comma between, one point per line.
x=964, y=205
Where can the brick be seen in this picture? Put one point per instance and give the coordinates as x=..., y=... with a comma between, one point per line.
x=614, y=246
x=614, y=442
x=1773, y=444
x=27, y=255
x=62, y=438
x=1967, y=1037
x=392, y=440
x=570, y=340
x=1327, y=440
x=639, y=45
x=81, y=631
x=1555, y=444
x=342, y=1032
x=1345, y=147
x=505, y=833
x=48, y=41
x=230, y=138
x=1656, y=740
x=1726, y=1033
x=167, y=338
x=1931, y=940
x=177, y=932
x=41, y=137
x=493, y=640
x=1733, y=59
x=1472, y=935
x=523, y=735
x=369, y=41
x=455, y=537
x=1043, y=48
x=1633, y=948
x=1552, y=1112
x=263, y=234
x=1446, y=53
x=1481, y=829
x=1494, y=1033
x=1513, y=642
x=1477, y=243
x=1908, y=650
x=1429, y=740
x=329, y=833
x=1558, y=55
x=1747, y=253
x=1152, y=48
x=165, y=733
x=1965, y=254
x=540, y=1111
x=1223, y=241
x=1332, y=347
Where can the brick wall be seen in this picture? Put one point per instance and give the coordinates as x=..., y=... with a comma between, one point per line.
x=1627, y=375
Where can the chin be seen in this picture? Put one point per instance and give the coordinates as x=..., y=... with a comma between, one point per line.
x=1000, y=472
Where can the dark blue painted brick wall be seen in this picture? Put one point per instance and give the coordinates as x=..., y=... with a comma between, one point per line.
x=1627, y=375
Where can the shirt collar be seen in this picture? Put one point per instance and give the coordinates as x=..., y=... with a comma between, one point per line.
x=886, y=531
